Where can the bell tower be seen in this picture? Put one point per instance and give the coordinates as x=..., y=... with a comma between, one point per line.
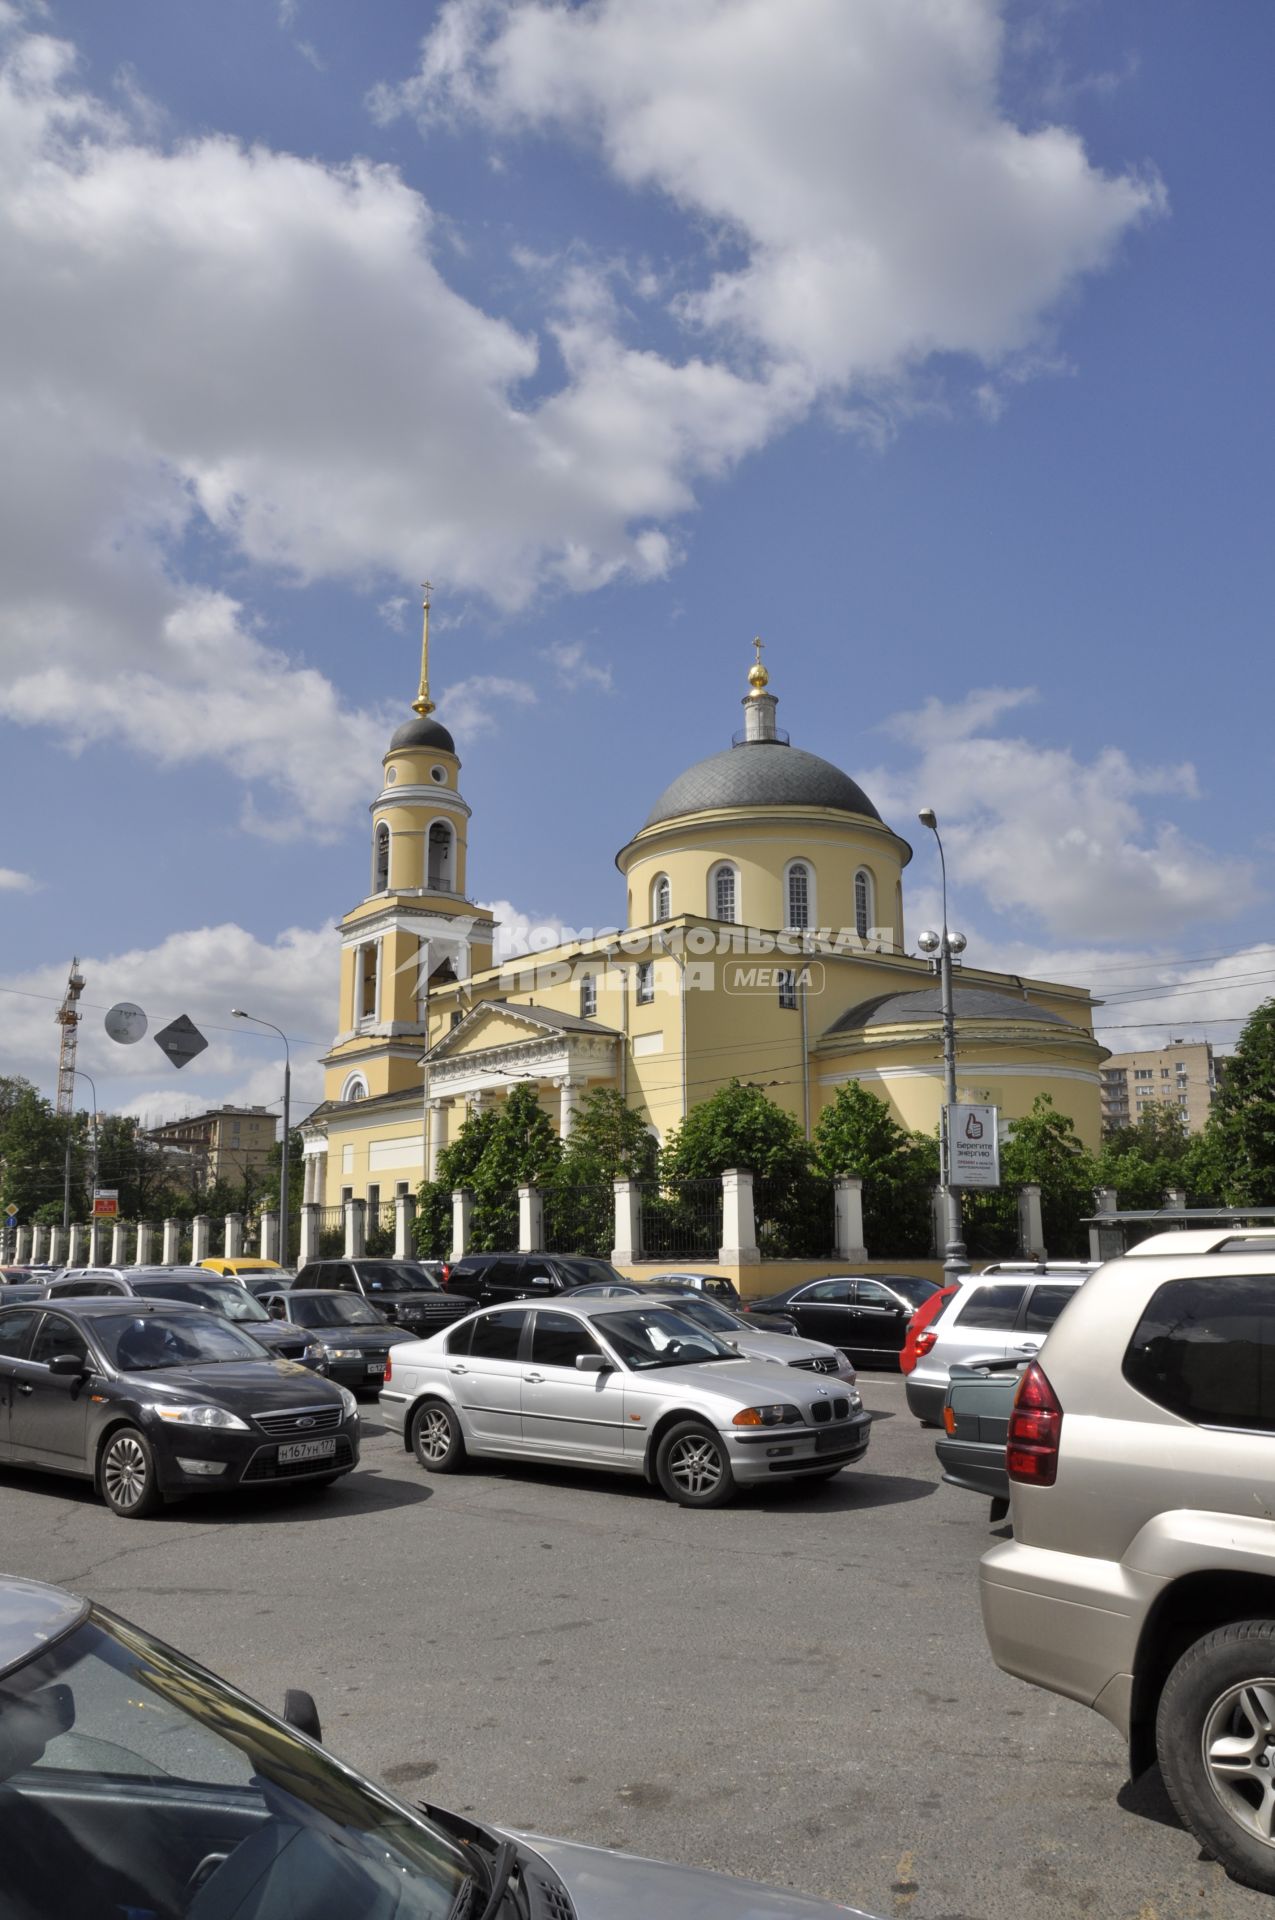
x=416, y=922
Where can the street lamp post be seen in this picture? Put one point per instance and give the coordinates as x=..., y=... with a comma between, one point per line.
x=285, y=1207
x=941, y=948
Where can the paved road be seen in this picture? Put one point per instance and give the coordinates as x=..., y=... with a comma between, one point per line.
x=796, y=1687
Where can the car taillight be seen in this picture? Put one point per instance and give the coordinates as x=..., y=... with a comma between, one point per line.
x=924, y=1341
x=389, y=1369
x=949, y=1421
x=446, y=1272
x=1035, y=1430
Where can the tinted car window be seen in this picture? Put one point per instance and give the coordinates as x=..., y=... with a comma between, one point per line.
x=991, y=1307
x=590, y=1271
x=381, y=1276
x=14, y=1328
x=870, y=1293
x=55, y=1336
x=339, y=1311
x=144, y=1343
x=912, y=1287
x=1205, y=1349
x=835, y=1290
x=556, y=1339
x=225, y=1297
x=496, y=1336
x=458, y=1341
x=1045, y=1304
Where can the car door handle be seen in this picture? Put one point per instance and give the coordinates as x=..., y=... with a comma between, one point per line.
x=533, y=1376
x=458, y=1368
x=26, y=1386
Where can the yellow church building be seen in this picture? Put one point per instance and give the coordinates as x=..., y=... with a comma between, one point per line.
x=764, y=937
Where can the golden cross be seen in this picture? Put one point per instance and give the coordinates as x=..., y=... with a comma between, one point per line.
x=758, y=643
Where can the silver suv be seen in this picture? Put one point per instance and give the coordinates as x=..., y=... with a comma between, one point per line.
x=1141, y=1576
x=1004, y=1311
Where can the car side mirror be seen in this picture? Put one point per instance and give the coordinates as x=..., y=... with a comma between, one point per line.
x=277, y=1310
x=300, y=1712
x=592, y=1363
x=68, y=1366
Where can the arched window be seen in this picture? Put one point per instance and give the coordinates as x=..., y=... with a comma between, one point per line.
x=723, y=893
x=799, y=892
x=381, y=859
x=355, y=1088
x=661, y=898
x=864, y=905
x=588, y=995
x=438, y=873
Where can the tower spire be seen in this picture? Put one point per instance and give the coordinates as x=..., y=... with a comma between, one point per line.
x=758, y=678
x=759, y=704
x=422, y=703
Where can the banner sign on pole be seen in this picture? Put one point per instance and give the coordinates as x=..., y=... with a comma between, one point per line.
x=106, y=1203
x=973, y=1146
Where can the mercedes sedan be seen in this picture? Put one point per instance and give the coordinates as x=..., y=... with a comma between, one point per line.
x=152, y=1401
x=619, y=1385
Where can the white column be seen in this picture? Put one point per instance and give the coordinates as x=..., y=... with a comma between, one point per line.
x=355, y=1229
x=269, y=1242
x=97, y=1243
x=531, y=1221
x=1031, y=1228
x=739, y=1230
x=118, y=1234
x=145, y=1236
x=75, y=1247
x=628, y=1223
x=199, y=1237
x=569, y=1091
x=1175, y=1198
x=55, y=1250
x=309, y=1248
x=435, y=1142
x=172, y=1242
x=404, y=1215
x=849, y=1216
x=22, y=1251
x=462, y=1212
x=232, y=1245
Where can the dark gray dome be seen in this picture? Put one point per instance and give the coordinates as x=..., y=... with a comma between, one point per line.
x=422, y=731
x=968, y=1003
x=763, y=773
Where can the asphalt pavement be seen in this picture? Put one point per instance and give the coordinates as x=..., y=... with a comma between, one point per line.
x=794, y=1688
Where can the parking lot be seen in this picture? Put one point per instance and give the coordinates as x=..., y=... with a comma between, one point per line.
x=795, y=1687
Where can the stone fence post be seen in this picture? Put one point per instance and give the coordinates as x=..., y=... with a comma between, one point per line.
x=531, y=1220
x=309, y=1248
x=232, y=1244
x=268, y=1242
x=145, y=1243
x=628, y=1223
x=172, y=1242
x=22, y=1251
x=1031, y=1226
x=75, y=1246
x=55, y=1250
x=355, y=1229
x=739, y=1228
x=119, y=1242
x=404, y=1219
x=199, y=1238
x=98, y=1251
x=462, y=1216
x=849, y=1216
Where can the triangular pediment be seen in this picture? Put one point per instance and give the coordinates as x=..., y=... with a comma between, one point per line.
x=498, y=1023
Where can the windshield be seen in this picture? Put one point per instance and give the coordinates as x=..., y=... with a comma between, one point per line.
x=332, y=1310
x=225, y=1297
x=378, y=1276
x=215, y=1809
x=707, y=1313
x=661, y=1337
x=146, y=1342
x=910, y=1287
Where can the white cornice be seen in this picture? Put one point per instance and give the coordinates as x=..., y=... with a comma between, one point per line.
x=431, y=795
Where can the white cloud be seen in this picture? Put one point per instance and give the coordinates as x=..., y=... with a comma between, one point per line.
x=574, y=668
x=471, y=706
x=1040, y=830
x=858, y=157
x=11, y=881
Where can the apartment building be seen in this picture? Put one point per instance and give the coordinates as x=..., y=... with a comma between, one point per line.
x=1182, y=1074
x=225, y=1143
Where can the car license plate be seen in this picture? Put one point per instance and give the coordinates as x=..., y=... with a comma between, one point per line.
x=377, y=1367
x=305, y=1450
x=834, y=1441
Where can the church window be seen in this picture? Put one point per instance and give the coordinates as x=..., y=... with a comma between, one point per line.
x=787, y=979
x=439, y=872
x=439, y=774
x=644, y=982
x=366, y=987
x=457, y=1016
x=661, y=898
x=723, y=894
x=798, y=895
x=381, y=860
x=588, y=995
x=863, y=903
x=354, y=1089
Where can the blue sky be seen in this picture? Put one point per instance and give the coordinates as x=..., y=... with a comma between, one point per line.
x=929, y=341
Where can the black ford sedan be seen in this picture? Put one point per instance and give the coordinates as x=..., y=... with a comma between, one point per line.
x=196, y=1287
x=153, y=1401
x=355, y=1338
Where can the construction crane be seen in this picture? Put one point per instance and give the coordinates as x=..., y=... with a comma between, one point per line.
x=68, y=1018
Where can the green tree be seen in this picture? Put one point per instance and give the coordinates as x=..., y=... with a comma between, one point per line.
x=857, y=1134
x=1044, y=1149
x=738, y=1126
x=1243, y=1116
x=33, y=1153
x=523, y=1150
x=1144, y=1160
x=609, y=1141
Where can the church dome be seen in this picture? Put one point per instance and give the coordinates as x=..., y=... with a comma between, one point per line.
x=925, y=1004
x=761, y=773
x=422, y=731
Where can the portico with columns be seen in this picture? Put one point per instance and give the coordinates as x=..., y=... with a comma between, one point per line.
x=497, y=1044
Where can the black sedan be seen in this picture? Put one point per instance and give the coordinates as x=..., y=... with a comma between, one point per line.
x=153, y=1401
x=866, y=1316
x=196, y=1287
x=355, y=1338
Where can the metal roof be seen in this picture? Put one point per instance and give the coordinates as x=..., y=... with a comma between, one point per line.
x=925, y=1003
x=761, y=773
x=421, y=731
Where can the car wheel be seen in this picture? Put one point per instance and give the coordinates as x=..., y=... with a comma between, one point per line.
x=1215, y=1741
x=436, y=1438
x=692, y=1467
x=127, y=1475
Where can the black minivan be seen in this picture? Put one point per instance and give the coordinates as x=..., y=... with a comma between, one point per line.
x=492, y=1279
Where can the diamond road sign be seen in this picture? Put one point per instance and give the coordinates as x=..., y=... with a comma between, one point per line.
x=181, y=1040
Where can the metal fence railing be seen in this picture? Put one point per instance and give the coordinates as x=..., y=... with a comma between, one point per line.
x=795, y=1219
x=682, y=1220
x=495, y=1220
x=331, y=1232
x=380, y=1228
x=579, y=1219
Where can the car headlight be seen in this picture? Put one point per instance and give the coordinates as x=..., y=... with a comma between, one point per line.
x=779, y=1415
x=855, y=1398
x=313, y=1350
x=200, y=1417
x=342, y=1353
x=348, y=1401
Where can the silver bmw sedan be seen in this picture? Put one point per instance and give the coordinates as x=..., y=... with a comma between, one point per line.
x=620, y=1385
